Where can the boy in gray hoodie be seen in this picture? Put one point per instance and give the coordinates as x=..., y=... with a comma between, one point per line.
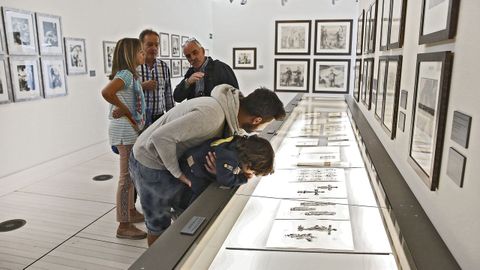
x=154, y=165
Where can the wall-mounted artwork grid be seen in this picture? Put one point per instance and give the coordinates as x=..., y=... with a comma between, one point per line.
x=292, y=75
x=292, y=37
x=333, y=37
x=331, y=76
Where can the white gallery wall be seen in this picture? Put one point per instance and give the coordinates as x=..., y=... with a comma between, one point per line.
x=453, y=210
x=35, y=132
x=253, y=25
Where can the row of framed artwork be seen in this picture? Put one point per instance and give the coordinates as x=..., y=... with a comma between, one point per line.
x=332, y=37
x=21, y=31
x=178, y=67
x=171, y=44
x=438, y=23
x=329, y=75
x=430, y=102
x=31, y=78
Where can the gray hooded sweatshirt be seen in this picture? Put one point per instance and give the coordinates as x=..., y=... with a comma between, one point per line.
x=187, y=125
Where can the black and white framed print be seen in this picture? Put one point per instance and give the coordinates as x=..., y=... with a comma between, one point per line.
x=108, y=50
x=357, y=80
x=333, y=37
x=292, y=37
x=75, y=56
x=53, y=76
x=5, y=93
x=381, y=77
x=331, y=76
x=184, y=40
x=3, y=47
x=185, y=66
x=363, y=92
x=49, y=34
x=374, y=92
x=20, y=32
x=292, y=75
x=164, y=44
x=430, y=104
x=385, y=24
x=397, y=23
x=391, y=94
x=244, y=58
x=372, y=24
x=175, y=44
x=176, y=68
x=439, y=20
x=25, y=73
x=169, y=64
x=368, y=68
x=360, y=23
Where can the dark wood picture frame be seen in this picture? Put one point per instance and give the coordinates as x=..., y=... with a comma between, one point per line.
x=381, y=80
x=368, y=81
x=360, y=28
x=391, y=95
x=321, y=37
x=357, y=79
x=246, y=61
x=450, y=21
x=385, y=24
x=279, y=76
x=372, y=31
x=281, y=39
x=331, y=78
x=433, y=120
x=397, y=30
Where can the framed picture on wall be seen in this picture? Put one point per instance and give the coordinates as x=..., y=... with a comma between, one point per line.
x=291, y=75
x=164, y=44
x=3, y=48
x=385, y=25
x=185, y=66
x=357, y=79
x=175, y=43
x=108, y=50
x=397, y=24
x=176, y=68
x=76, y=56
x=439, y=20
x=245, y=58
x=292, y=37
x=184, y=40
x=53, y=77
x=381, y=77
x=20, y=32
x=391, y=94
x=430, y=105
x=333, y=37
x=5, y=93
x=374, y=91
x=49, y=34
x=368, y=69
x=360, y=22
x=331, y=76
x=168, y=63
x=372, y=31
x=25, y=73
x=363, y=81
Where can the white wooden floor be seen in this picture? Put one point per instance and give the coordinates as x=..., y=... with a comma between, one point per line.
x=70, y=222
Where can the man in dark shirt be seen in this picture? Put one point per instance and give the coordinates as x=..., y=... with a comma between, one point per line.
x=204, y=74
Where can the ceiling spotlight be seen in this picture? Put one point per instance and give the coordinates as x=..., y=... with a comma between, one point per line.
x=231, y=1
x=243, y=2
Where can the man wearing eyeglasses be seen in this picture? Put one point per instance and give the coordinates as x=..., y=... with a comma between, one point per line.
x=204, y=74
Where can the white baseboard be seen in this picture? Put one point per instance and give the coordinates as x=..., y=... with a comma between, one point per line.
x=21, y=179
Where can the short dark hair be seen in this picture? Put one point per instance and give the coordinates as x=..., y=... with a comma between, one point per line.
x=263, y=103
x=256, y=154
x=147, y=32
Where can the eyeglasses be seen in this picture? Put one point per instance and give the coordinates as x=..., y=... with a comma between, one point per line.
x=192, y=39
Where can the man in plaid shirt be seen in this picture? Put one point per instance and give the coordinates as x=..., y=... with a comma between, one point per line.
x=155, y=79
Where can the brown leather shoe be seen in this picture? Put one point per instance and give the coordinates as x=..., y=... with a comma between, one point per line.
x=136, y=217
x=131, y=232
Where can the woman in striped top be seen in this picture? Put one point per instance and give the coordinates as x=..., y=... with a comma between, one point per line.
x=127, y=112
